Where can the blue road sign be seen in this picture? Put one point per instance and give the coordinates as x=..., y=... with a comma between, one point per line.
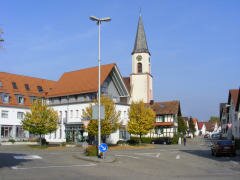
x=103, y=147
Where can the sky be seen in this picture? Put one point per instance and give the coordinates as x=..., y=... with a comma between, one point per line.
x=194, y=45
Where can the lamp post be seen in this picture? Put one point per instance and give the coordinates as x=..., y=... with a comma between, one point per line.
x=99, y=21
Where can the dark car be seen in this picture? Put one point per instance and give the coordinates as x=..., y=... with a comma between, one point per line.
x=162, y=140
x=206, y=136
x=221, y=147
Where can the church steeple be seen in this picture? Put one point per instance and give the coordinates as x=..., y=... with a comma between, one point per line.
x=140, y=45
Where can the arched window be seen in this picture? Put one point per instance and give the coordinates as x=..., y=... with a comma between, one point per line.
x=139, y=67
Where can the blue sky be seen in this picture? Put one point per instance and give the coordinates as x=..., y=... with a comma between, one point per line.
x=195, y=45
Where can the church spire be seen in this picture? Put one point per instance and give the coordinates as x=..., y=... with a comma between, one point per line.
x=140, y=45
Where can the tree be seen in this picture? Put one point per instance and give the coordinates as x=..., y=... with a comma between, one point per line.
x=214, y=120
x=182, y=127
x=40, y=120
x=109, y=124
x=192, y=126
x=141, y=119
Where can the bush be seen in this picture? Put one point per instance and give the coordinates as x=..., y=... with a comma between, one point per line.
x=12, y=141
x=44, y=142
x=132, y=141
x=91, y=151
x=175, y=138
x=121, y=142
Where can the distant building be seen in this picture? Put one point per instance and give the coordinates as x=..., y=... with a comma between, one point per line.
x=167, y=114
x=233, y=127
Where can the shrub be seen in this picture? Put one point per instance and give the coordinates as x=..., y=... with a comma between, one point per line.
x=91, y=151
x=133, y=141
x=121, y=142
x=175, y=138
x=12, y=141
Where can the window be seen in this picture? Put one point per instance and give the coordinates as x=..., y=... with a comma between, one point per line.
x=5, y=98
x=71, y=113
x=40, y=89
x=27, y=87
x=139, y=67
x=4, y=114
x=77, y=113
x=20, y=115
x=20, y=99
x=33, y=99
x=160, y=119
x=0, y=84
x=14, y=85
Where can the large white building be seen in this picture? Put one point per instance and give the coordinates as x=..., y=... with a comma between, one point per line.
x=76, y=90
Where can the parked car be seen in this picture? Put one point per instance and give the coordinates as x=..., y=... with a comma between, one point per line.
x=206, y=136
x=162, y=140
x=223, y=147
x=215, y=136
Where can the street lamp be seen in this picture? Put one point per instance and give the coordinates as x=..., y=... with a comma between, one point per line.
x=99, y=21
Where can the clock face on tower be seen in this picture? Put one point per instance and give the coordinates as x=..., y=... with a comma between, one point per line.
x=139, y=57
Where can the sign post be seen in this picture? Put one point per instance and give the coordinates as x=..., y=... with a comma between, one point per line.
x=103, y=148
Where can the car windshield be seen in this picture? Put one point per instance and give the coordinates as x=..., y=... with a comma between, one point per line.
x=225, y=142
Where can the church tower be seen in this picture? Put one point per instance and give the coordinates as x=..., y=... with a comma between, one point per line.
x=141, y=78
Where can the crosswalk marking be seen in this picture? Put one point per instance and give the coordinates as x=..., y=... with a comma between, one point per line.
x=27, y=157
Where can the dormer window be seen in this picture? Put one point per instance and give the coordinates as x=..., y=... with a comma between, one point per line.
x=27, y=87
x=20, y=99
x=5, y=98
x=14, y=85
x=40, y=89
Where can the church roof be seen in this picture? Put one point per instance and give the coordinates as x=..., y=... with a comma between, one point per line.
x=140, y=45
x=80, y=81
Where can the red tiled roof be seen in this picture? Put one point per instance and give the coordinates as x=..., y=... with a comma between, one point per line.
x=169, y=107
x=80, y=81
x=6, y=79
x=209, y=126
x=200, y=125
x=164, y=124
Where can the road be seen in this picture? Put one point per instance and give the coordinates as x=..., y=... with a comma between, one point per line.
x=193, y=161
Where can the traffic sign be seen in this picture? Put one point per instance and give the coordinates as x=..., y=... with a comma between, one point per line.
x=103, y=147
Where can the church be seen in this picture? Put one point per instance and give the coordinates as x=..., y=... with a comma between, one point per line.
x=76, y=90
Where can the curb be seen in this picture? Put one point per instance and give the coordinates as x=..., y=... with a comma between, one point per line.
x=109, y=159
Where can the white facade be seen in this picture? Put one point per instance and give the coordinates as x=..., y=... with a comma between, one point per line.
x=10, y=123
x=72, y=115
x=234, y=125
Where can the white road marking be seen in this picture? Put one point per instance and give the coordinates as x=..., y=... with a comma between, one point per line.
x=158, y=155
x=178, y=156
x=146, y=154
x=234, y=162
x=134, y=157
x=28, y=157
x=46, y=167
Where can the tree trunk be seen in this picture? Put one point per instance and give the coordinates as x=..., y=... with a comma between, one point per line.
x=140, y=138
x=40, y=140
